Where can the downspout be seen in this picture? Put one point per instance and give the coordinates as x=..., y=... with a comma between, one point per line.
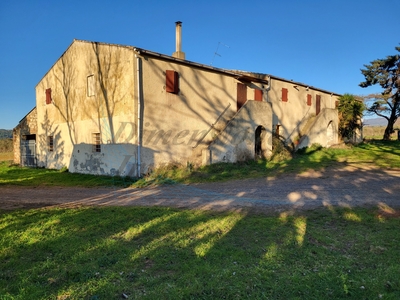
x=139, y=127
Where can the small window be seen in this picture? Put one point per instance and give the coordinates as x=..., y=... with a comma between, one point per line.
x=172, y=81
x=96, y=142
x=90, y=86
x=309, y=99
x=258, y=95
x=48, y=96
x=51, y=143
x=284, y=95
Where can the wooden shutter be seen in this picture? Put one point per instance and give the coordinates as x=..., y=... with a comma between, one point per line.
x=48, y=96
x=309, y=99
x=172, y=81
x=284, y=95
x=258, y=95
x=318, y=104
x=241, y=95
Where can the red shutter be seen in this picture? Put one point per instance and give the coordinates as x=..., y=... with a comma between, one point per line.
x=308, y=99
x=318, y=104
x=48, y=96
x=336, y=104
x=172, y=81
x=284, y=95
x=241, y=95
x=258, y=95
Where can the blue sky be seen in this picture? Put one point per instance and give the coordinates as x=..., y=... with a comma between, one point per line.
x=320, y=43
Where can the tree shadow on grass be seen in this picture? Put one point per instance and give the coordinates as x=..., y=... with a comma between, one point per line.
x=102, y=253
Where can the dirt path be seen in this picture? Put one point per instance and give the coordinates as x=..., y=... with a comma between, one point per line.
x=349, y=186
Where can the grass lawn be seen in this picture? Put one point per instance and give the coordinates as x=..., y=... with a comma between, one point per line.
x=377, y=153
x=160, y=253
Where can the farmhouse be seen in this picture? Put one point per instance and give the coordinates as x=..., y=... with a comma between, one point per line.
x=122, y=110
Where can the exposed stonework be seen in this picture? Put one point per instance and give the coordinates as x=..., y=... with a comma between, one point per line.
x=26, y=128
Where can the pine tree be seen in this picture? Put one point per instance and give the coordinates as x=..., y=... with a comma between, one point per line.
x=386, y=73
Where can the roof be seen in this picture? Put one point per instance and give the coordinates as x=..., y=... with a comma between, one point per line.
x=239, y=75
x=27, y=114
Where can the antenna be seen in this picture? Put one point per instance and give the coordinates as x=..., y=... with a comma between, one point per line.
x=216, y=51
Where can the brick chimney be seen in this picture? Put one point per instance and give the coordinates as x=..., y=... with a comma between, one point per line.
x=178, y=52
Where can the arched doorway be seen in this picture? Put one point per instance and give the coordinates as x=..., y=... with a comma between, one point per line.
x=258, y=141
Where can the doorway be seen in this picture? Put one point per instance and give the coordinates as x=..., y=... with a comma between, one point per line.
x=258, y=142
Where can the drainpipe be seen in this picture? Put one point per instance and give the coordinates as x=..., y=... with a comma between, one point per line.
x=139, y=127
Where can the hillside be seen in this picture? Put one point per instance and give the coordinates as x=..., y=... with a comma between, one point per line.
x=378, y=122
x=5, y=134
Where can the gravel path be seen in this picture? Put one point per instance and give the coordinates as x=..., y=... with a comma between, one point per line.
x=346, y=186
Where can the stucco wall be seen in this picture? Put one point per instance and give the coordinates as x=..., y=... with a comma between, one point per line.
x=176, y=127
x=237, y=141
x=74, y=115
x=292, y=115
x=323, y=130
x=175, y=123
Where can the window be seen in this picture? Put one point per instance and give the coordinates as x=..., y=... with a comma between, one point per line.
x=172, y=81
x=258, y=95
x=309, y=99
x=90, y=86
x=96, y=142
x=284, y=95
x=317, y=105
x=241, y=96
x=51, y=143
x=48, y=96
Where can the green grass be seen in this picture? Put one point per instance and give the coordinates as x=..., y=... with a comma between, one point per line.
x=159, y=253
x=20, y=176
x=377, y=153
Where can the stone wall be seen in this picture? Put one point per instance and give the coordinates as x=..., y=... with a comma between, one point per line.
x=26, y=127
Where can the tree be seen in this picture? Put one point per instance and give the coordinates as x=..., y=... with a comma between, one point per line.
x=386, y=73
x=350, y=112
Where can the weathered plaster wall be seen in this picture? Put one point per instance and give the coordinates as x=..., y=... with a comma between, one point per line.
x=237, y=141
x=294, y=114
x=323, y=130
x=74, y=115
x=176, y=127
x=174, y=124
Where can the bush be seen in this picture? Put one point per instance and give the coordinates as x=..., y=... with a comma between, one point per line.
x=6, y=145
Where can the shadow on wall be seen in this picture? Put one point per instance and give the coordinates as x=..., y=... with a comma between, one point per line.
x=246, y=136
x=322, y=130
x=110, y=159
x=50, y=145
